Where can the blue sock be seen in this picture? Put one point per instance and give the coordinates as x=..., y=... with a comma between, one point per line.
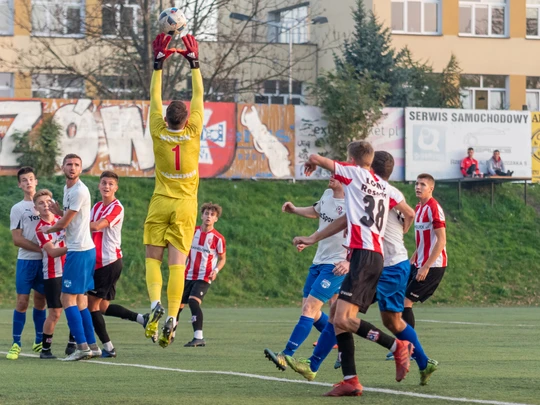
x=321, y=322
x=299, y=334
x=75, y=324
x=88, y=326
x=19, y=319
x=326, y=342
x=39, y=316
x=410, y=335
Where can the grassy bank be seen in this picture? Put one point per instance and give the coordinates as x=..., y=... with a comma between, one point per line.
x=493, y=254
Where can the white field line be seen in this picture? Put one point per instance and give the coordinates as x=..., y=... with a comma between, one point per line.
x=277, y=379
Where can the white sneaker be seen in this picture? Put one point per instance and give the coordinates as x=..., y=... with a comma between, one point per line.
x=79, y=355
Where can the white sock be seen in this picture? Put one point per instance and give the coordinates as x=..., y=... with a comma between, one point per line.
x=348, y=377
x=198, y=334
x=108, y=346
x=394, y=346
x=153, y=304
x=140, y=319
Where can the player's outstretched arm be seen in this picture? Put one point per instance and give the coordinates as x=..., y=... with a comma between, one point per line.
x=196, y=113
x=318, y=160
x=54, y=252
x=408, y=215
x=306, y=212
x=62, y=222
x=338, y=225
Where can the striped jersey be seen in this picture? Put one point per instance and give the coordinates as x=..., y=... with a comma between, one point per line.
x=428, y=217
x=52, y=266
x=203, y=256
x=394, y=248
x=108, y=240
x=367, y=200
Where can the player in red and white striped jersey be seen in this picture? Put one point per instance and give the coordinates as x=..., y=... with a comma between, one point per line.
x=106, y=219
x=54, y=255
x=367, y=199
x=206, y=258
x=429, y=260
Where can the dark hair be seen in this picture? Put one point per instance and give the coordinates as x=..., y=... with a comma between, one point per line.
x=426, y=176
x=212, y=207
x=470, y=149
x=176, y=114
x=496, y=150
x=361, y=152
x=71, y=156
x=109, y=174
x=383, y=164
x=24, y=170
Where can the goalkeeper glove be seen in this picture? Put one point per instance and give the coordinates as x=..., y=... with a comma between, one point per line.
x=161, y=52
x=191, y=53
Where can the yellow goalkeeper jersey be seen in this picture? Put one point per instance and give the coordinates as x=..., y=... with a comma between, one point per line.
x=177, y=151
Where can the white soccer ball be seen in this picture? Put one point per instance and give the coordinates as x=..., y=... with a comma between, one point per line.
x=172, y=21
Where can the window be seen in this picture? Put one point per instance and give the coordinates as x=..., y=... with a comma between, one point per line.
x=57, y=86
x=219, y=90
x=291, y=21
x=277, y=92
x=533, y=13
x=120, y=17
x=57, y=17
x=483, y=18
x=6, y=84
x=205, y=14
x=120, y=87
x=6, y=17
x=416, y=16
x=483, y=92
x=533, y=93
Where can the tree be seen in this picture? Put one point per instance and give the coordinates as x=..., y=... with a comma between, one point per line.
x=351, y=104
x=111, y=49
x=40, y=149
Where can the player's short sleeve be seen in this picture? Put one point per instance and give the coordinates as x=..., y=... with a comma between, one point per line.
x=77, y=200
x=343, y=172
x=15, y=218
x=318, y=205
x=42, y=238
x=221, y=246
x=115, y=216
x=395, y=197
x=439, y=220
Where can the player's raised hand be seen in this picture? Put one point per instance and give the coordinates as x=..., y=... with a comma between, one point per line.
x=288, y=207
x=161, y=51
x=341, y=268
x=309, y=168
x=191, y=53
x=54, y=207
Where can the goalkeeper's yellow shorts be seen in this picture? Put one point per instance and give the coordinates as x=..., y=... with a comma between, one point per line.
x=170, y=220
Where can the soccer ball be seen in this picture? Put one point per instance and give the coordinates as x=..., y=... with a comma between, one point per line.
x=172, y=21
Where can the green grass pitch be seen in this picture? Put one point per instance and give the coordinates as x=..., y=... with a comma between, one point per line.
x=485, y=354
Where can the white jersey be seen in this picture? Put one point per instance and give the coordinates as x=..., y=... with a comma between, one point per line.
x=24, y=216
x=330, y=250
x=393, y=246
x=366, y=199
x=108, y=240
x=77, y=198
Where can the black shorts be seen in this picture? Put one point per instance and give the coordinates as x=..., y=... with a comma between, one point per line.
x=105, y=280
x=422, y=290
x=53, y=290
x=360, y=284
x=195, y=288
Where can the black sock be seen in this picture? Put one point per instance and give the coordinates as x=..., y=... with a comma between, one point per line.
x=71, y=339
x=370, y=332
x=345, y=343
x=47, y=340
x=408, y=316
x=196, y=314
x=99, y=326
x=119, y=311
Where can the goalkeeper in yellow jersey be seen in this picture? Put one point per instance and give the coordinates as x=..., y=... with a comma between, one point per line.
x=172, y=213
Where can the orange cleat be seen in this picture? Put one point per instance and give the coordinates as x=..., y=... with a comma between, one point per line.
x=315, y=344
x=402, y=357
x=346, y=388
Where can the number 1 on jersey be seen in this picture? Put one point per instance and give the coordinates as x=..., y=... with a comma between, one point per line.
x=176, y=151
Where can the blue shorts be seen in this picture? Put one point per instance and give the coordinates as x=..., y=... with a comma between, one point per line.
x=392, y=285
x=321, y=283
x=78, y=277
x=29, y=276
